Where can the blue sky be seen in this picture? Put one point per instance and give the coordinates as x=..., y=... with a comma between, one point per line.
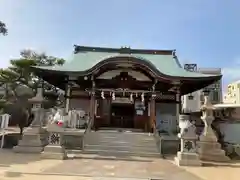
x=206, y=32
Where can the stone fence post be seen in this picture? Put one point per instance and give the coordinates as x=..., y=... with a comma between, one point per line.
x=55, y=148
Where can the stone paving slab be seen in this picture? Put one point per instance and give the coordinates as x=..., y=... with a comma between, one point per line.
x=26, y=166
x=95, y=167
x=219, y=171
x=50, y=177
x=140, y=168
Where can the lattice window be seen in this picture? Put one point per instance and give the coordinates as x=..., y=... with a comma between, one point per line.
x=54, y=138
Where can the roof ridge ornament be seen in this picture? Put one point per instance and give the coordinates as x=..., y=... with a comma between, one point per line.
x=190, y=67
x=76, y=49
x=174, y=53
x=125, y=50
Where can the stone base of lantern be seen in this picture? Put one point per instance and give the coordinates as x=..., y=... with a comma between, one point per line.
x=211, y=151
x=54, y=152
x=187, y=159
x=33, y=141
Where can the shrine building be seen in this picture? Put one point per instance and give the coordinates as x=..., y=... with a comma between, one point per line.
x=124, y=87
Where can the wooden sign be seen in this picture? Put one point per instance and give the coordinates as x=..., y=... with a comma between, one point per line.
x=163, y=96
x=79, y=93
x=122, y=100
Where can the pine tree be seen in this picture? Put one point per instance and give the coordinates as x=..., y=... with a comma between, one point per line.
x=19, y=76
x=3, y=28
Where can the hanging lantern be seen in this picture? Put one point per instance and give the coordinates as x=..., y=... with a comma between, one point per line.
x=131, y=97
x=142, y=97
x=190, y=97
x=113, y=96
x=102, y=95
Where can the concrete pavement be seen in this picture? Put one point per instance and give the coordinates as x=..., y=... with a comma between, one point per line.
x=95, y=167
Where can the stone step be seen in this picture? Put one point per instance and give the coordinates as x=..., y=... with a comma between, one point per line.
x=121, y=135
x=123, y=148
x=121, y=143
x=136, y=141
x=119, y=139
x=152, y=145
x=143, y=138
x=120, y=153
x=120, y=131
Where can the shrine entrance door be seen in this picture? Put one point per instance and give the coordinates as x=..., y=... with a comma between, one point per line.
x=122, y=115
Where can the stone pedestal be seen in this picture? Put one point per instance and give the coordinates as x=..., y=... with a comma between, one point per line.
x=187, y=159
x=209, y=148
x=33, y=141
x=211, y=151
x=55, y=148
x=54, y=152
x=187, y=156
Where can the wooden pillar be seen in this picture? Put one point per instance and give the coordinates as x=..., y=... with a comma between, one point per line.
x=92, y=104
x=152, y=113
x=68, y=94
x=92, y=108
x=178, y=105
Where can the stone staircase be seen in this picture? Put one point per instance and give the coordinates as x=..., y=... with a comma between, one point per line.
x=116, y=143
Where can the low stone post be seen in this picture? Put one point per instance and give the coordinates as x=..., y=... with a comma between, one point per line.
x=209, y=148
x=55, y=148
x=33, y=139
x=187, y=156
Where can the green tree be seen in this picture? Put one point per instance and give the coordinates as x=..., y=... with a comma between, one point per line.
x=19, y=74
x=3, y=28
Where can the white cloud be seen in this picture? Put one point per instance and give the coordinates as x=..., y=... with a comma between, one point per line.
x=232, y=72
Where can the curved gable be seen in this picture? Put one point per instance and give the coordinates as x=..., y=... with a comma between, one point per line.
x=116, y=72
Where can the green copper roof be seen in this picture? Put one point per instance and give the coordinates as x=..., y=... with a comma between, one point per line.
x=165, y=64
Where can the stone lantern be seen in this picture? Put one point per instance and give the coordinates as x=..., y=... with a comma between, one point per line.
x=209, y=148
x=34, y=137
x=38, y=100
x=37, y=108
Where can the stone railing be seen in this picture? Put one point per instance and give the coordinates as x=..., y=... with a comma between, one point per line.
x=232, y=150
x=76, y=119
x=229, y=131
x=64, y=139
